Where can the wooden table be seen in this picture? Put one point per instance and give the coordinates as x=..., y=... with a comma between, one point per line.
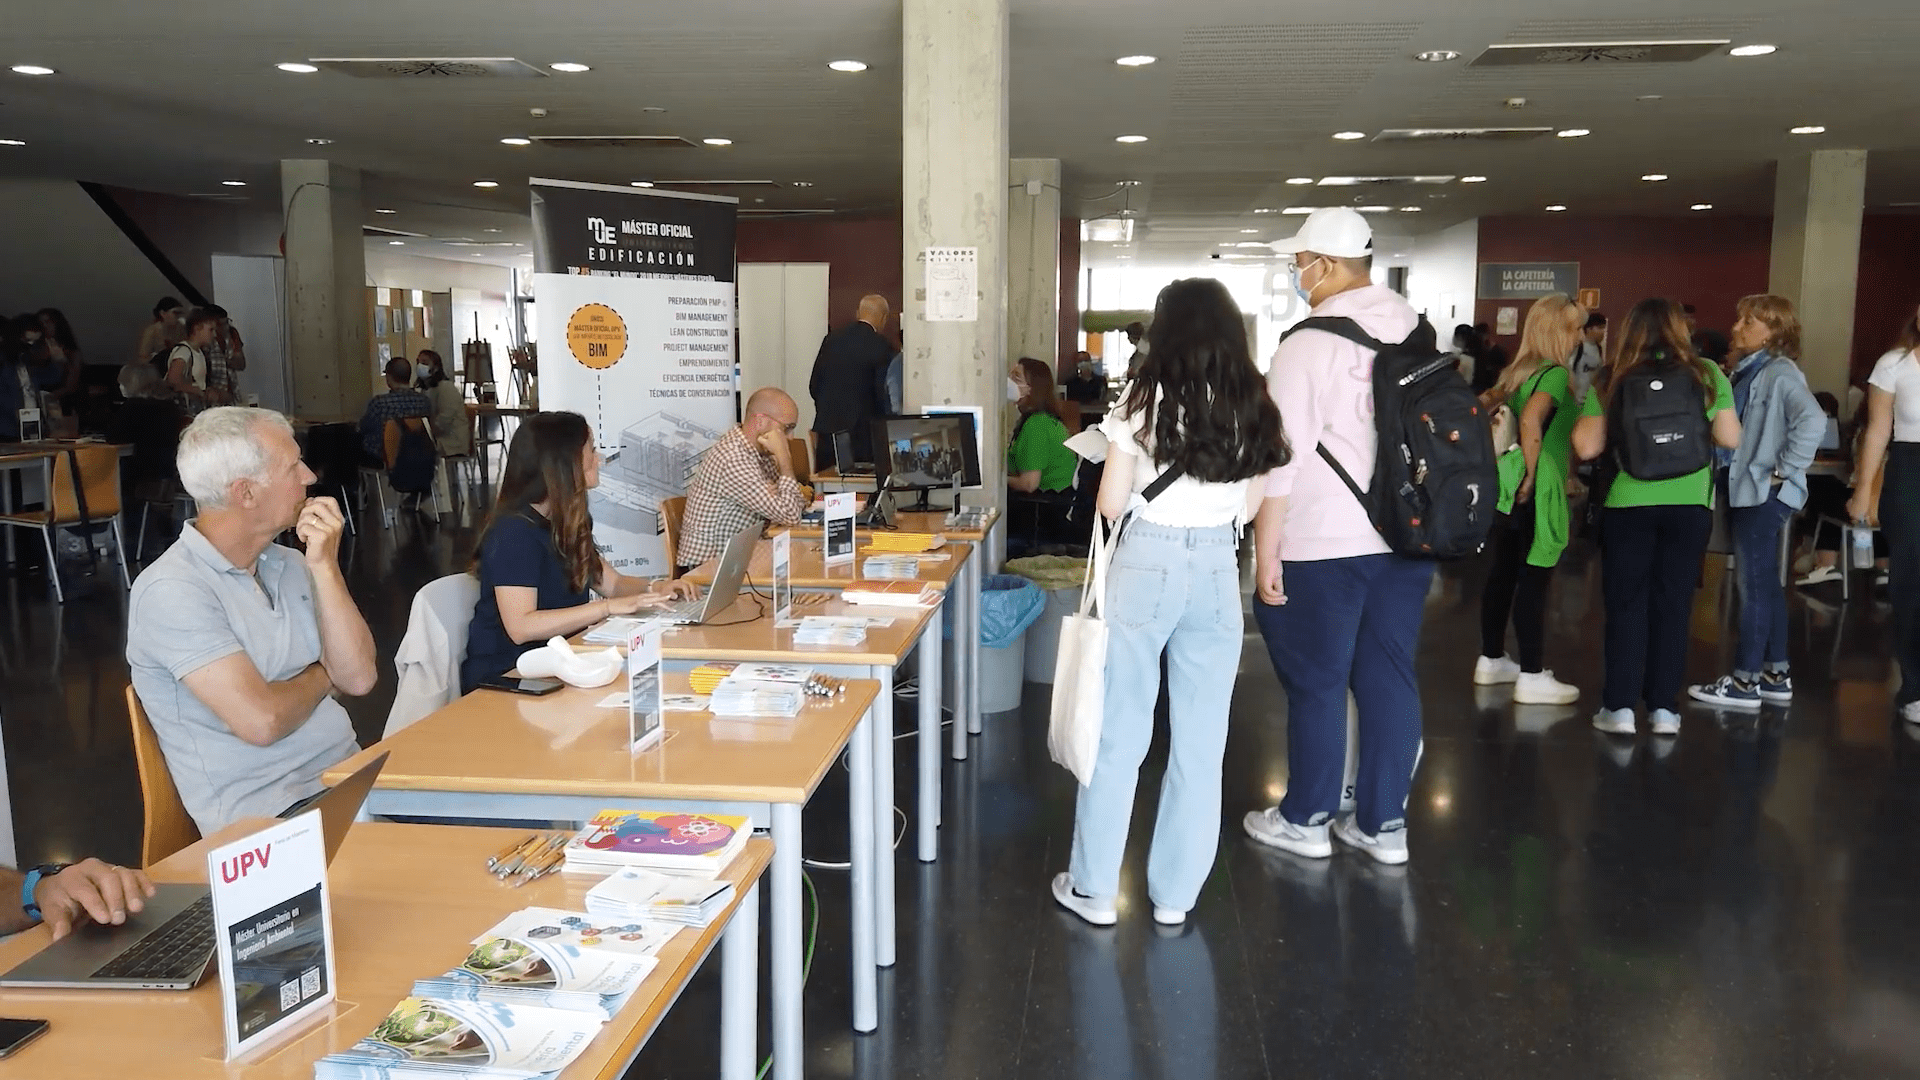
x=810, y=572
x=407, y=900
x=560, y=758
x=23, y=456
x=966, y=608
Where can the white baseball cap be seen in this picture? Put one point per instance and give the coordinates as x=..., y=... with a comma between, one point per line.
x=1331, y=230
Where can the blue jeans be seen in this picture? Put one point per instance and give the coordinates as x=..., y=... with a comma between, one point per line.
x=1175, y=591
x=1763, y=601
x=1349, y=623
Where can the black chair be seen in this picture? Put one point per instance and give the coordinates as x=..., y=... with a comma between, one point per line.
x=333, y=453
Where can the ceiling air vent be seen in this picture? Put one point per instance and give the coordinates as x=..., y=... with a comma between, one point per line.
x=1602, y=52
x=612, y=142
x=431, y=67
x=716, y=183
x=1493, y=134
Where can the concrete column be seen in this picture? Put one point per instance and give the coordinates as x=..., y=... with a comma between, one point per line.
x=1033, y=259
x=1817, y=204
x=327, y=348
x=954, y=194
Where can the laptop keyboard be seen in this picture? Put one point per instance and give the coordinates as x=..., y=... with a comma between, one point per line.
x=176, y=951
x=685, y=611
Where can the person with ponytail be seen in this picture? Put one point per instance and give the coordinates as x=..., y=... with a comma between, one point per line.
x=537, y=563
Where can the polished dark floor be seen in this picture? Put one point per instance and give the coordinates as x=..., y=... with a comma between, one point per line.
x=1737, y=902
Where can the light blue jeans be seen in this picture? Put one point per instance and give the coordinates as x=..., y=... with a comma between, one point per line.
x=1175, y=591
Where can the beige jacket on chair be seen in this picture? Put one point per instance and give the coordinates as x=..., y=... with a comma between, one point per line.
x=430, y=655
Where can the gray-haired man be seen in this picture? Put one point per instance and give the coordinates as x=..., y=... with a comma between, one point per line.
x=237, y=644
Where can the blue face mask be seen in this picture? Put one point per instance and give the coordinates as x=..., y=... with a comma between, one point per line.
x=1294, y=273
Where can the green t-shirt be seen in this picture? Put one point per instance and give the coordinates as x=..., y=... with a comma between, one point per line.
x=1042, y=445
x=1693, y=489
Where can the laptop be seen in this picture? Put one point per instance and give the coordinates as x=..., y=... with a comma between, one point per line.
x=168, y=945
x=724, y=590
x=843, y=456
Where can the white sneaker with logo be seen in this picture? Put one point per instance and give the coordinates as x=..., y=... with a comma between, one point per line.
x=1269, y=828
x=1387, y=847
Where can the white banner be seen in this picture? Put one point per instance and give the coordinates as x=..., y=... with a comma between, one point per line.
x=650, y=363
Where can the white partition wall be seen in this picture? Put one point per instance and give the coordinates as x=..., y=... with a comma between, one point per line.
x=253, y=290
x=783, y=316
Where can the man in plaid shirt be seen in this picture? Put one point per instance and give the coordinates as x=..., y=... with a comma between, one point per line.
x=745, y=478
x=226, y=354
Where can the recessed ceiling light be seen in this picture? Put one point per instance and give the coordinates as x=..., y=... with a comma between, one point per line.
x=1249, y=230
x=1573, y=133
x=1226, y=243
x=1649, y=97
x=643, y=183
x=718, y=142
x=31, y=69
x=486, y=183
x=489, y=229
x=233, y=183
x=1753, y=50
x=1349, y=136
x=396, y=243
x=1373, y=209
x=1412, y=209
x=1654, y=177
x=1299, y=181
x=1129, y=183
x=384, y=210
x=298, y=69
x=850, y=66
x=1473, y=179
x=1556, y=208
x=802, y=183
x=1436, y=56
x=319, y=142
x=570, y=67
x=1807, y=129
x=1129, y=138
x=13, y=142
x=515, y=140
x=1299, y=209
x=1265, y=210
x=1701, y=206
x=1141, y=60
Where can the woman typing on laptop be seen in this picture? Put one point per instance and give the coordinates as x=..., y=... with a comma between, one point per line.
x=537, y=565
x=59, y=895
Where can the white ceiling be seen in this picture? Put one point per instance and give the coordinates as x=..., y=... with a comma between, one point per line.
x=1245, y=94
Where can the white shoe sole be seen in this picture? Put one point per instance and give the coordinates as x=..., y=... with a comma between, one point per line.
x=1493, y=678
x=1612, y=728
x=1168, y=916
x=1063, y=895
x=1725, y=703
x=1562, y=697
x=1322, y=850
x=1385, y=856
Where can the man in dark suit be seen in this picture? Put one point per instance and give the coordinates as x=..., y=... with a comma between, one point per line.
x=849, y=384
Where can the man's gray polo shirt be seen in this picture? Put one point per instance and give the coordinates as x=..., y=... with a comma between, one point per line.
x=193, y=607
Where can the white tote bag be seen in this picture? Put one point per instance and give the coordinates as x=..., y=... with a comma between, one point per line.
x=1080, y=671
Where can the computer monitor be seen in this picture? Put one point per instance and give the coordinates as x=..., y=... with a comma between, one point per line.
x=926, y=452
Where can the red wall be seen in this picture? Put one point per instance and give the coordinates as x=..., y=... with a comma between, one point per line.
x=1889, y=287
x=863, y=253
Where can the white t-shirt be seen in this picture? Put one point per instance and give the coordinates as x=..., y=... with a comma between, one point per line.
x=1898, y=373
x=1186, y=503
x=196, y=364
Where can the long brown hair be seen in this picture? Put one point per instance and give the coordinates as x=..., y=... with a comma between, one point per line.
x=1040, y=396
x=1909, y=338
x=1654, y=332
x=1553, y=328
x=1777, y=315
x=543, y=465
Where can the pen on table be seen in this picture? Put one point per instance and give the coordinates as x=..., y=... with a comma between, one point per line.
x=512, y=850
x=537, y=845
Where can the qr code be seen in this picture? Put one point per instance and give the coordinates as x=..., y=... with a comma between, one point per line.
x=289, y=994
x=309, y=983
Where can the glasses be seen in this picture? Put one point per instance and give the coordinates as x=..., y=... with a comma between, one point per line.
x=786, y=426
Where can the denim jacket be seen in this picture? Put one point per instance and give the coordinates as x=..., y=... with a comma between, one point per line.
x=1779, y=433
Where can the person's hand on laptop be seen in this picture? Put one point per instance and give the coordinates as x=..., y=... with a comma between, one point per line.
x=106, y=893
x=664, y=591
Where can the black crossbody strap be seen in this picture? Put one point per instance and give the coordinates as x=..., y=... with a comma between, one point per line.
x=1339, y=326
x=1341, y=471
x=1162, y=482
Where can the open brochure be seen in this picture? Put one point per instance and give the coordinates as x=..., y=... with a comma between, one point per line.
x=425, y=1038
x=553, y=959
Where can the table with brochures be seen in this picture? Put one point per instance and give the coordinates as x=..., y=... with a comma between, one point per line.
x=562, y=757
x=407, y=902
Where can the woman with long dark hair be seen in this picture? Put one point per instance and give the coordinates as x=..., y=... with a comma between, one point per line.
x=452, y=430
x=1037, y=454
x=1653, y=533
x=537, y=564
x=1199, y=410
x=1892, y=439
x=1534, y=522
x=63, y=349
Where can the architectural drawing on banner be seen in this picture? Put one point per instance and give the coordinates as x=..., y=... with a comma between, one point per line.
x=655, y=461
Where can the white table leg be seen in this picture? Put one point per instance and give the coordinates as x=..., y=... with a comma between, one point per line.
x=976, y=578
x=882, y=819
x=932, y=673
x=788, y=1049
x=860, y=773
x=740, y=990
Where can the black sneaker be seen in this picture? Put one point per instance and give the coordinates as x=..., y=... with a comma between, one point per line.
x=1776, y=686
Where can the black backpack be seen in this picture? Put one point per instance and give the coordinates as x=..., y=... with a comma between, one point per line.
x=1435, y=486
x=414, y=464
x=1657, y=422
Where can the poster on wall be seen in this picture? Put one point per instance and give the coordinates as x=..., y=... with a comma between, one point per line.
x=635, y=329
x=1528, y=281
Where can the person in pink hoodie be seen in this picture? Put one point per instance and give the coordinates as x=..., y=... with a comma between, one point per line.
x=1336, y=606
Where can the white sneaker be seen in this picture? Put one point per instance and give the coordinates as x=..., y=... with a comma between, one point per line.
x=1268, y=827
x=1820, y=574
x=1094, y=910
x=1488, y=671
x=1910, y=712
x=1614, y=721
x=1541, y=688
x=1664, y=722
x=1389, y=847
x=1167, y=916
